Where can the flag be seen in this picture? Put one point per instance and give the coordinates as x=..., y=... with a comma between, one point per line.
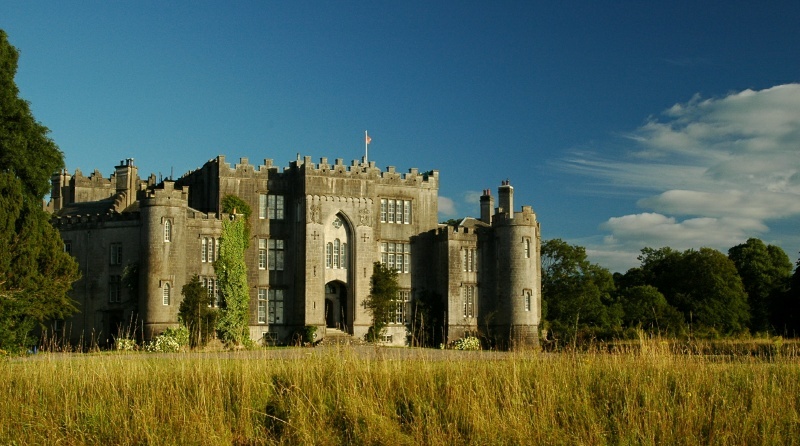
x=368, y=139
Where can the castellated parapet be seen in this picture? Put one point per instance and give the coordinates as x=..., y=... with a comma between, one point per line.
x=316, y=231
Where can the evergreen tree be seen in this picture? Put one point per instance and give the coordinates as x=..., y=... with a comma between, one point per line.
x=383, y=292
x=196, y=314
x=35, y=272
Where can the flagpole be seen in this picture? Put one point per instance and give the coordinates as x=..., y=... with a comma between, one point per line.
x=366, y=148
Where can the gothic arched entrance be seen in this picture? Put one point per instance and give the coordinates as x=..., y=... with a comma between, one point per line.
x=336, y=305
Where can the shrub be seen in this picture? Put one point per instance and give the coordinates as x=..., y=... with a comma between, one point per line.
x=124, y=344
x=468, y=343
x=170, y=341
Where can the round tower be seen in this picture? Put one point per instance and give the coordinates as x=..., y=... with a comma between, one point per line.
x=519, y=275
x=162, y=262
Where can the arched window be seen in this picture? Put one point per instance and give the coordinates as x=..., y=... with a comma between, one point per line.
x=165, y=293
x=167, y=230
x=527, y=248
x=336, y=248
x=343, y=255
x=329, y=255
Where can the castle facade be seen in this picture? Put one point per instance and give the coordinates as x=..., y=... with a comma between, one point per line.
x=316, y=230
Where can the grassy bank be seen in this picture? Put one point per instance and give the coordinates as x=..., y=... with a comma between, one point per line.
x=349, y=396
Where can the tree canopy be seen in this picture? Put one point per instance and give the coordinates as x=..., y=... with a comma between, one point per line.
x=35, y=272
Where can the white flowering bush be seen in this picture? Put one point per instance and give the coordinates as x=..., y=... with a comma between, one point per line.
x=124, y=344
x=468, y=343
x=172, y=340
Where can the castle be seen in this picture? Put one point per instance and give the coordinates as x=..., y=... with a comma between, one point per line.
x=316, y=230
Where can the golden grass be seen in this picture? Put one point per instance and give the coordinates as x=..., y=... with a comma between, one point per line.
x=393, y=396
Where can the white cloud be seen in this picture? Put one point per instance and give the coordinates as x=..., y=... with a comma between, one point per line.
x=447, y=208
x=726, y=166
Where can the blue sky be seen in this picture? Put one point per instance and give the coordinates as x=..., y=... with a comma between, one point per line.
x=624, y=124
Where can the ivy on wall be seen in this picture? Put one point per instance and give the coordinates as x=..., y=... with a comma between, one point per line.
x=232, y=279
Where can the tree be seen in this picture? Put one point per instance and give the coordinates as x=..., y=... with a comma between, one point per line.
x=196, y=314
x=646, y=308
x=577, y=294
x=382, y=294
x=427, y=319
x=765, y=272
x=703, y=285
x=789, y=320
x=232, y=279
x=35, y=272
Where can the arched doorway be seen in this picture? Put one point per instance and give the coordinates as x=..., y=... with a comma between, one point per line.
x=336, y=305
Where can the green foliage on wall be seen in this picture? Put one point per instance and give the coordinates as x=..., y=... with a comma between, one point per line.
x=383, y=292
x=232, y=279
x=231, y=204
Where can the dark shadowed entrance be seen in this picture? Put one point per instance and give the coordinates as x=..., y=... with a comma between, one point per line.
x=336, y=305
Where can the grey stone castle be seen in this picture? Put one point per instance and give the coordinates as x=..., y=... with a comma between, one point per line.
x=316, y=229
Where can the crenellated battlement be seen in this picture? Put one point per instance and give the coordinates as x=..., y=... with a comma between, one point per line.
x=83, y=221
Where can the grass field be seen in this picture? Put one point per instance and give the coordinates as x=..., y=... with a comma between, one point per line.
x=366, y=395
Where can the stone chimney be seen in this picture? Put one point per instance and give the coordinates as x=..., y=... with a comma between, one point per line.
x=506, y=193
x=487, y=206
x=127, y=175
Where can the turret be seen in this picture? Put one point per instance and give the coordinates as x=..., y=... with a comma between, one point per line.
x=487, y=206
x=127, y=177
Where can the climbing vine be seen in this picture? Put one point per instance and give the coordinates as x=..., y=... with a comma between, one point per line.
x=232, y=279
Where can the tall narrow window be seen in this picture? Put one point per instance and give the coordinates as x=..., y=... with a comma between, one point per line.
x=114, y=289
x=407, y=212
x=262, y=253
x=390, y=213
x=329, y=255
x=407, y=255
x=343, y=255
x=165, y=293
x=399, y=211
x=212, y=249
x=391, y=256
x=336, y=247
x=204, y=250
x=116, y=254
x=275, y=205
x=469, y=301
x=383, y=210
x=262, y=206
x=262, y=306
x=527, y=248
x=167, y=230
x=275, y=260
x=275, y=306
x=527, y=300
x=384, y=253
x=464, y=260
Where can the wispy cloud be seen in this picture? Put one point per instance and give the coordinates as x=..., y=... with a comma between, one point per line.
x=710, y=172
x=447, y=207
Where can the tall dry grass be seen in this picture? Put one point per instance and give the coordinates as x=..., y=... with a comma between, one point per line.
x=388, y=396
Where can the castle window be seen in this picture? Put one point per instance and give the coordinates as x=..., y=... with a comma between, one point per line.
x=275, y=306
x=262, y=253
x=390, y=212
x=383, y=210
x=469, y=301
x=464, y=260
x=396, y=256
x=527, y=248
x=68, y=247
x=398, y=309
x=343, y=255
x=329, y=255
x=407, y=212
x=204, y=250
x=275, y=254
x=114, y=289
x=212, y=249
x=527, y=297
x=116, y=254
x=262, y=306
x=262, y=206
x=210, y=284
x=167, y=230
x=336, y=248
x=275, y=207
x=165, y=293
x=399, y=212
